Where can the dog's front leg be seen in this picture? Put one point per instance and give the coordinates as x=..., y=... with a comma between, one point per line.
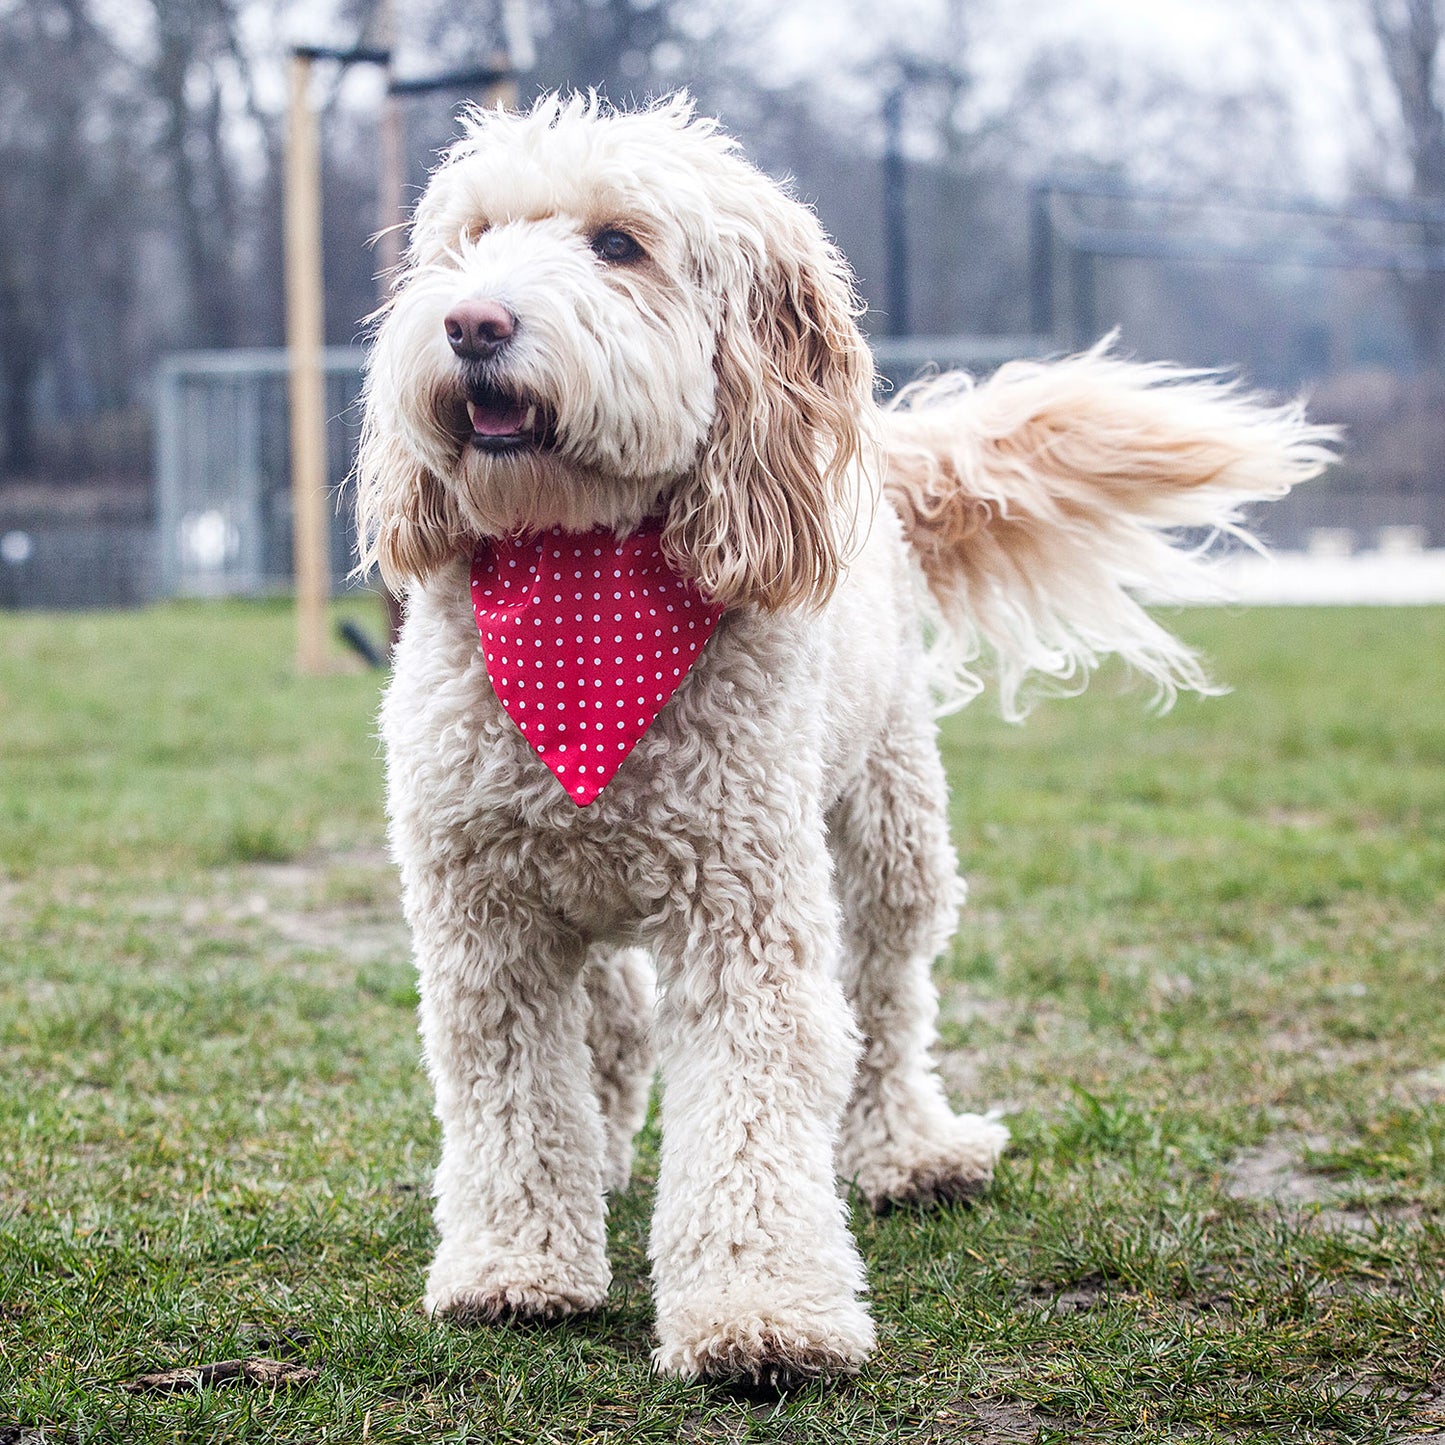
x=755, y=1272
x=519, y=1201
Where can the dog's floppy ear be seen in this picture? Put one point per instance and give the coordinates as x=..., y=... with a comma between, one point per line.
x=764, y=517
x=407, y=523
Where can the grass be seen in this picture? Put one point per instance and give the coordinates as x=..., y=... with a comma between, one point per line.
x=1201, y=968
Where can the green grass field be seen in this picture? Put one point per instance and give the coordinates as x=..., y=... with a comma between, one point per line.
x=1202, y=969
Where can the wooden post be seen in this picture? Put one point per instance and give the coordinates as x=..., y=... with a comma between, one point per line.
x=391, y=218
x=391, y=177
x=501, y=92
x=305, y=335
x=391, y=187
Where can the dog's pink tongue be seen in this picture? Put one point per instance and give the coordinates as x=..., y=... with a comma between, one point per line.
x=498, y=418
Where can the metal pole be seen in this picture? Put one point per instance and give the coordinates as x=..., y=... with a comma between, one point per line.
x=1041, y=260
x=1083, y=277
x=304, y=340
x=168, y=474
x=895, y=217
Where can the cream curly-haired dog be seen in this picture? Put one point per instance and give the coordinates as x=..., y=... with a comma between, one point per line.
x=612, y=329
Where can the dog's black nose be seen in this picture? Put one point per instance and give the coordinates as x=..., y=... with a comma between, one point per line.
x=479, y=329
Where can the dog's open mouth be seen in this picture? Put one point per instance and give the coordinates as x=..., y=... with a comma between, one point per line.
x=505, y=422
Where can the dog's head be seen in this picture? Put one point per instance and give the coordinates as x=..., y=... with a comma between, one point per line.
x=605, y=315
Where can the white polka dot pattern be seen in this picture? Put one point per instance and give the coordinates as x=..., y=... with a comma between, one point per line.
x=586, y=637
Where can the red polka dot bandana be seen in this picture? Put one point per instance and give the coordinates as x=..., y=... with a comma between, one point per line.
x=586, y=637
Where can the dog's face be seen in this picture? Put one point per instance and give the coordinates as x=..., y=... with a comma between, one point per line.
x=604, y=315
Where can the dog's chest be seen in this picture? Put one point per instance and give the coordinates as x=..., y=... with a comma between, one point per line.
x=462, y=776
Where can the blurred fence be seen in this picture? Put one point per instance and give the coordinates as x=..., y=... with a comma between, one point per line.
x=223, y=479
x=78, y=549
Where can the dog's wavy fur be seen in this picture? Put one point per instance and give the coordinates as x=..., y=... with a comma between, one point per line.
x=776, y=846
x=1041, y=504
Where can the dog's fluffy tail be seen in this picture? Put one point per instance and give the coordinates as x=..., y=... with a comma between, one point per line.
x=1047, y=501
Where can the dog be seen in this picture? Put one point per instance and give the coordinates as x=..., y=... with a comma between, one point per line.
x=621, y=374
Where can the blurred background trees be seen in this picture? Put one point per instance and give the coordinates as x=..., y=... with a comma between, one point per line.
x=140, y=150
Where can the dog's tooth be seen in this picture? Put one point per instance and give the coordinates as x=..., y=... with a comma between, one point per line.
x=531, y=418
x=472, y=413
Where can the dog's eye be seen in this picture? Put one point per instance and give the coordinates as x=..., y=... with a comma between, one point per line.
x=616, y=246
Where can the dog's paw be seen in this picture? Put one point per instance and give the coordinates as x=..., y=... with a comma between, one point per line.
x=771, y=1347
x=480, y=1291
x=950, y=1169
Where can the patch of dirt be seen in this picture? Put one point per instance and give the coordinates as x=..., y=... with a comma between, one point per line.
x=339, y=903
x=1272, y=1173
x=960, y=1074
x=1427, y=1083
x=268, y=1374
x=958, y=1006
x=1076, y=1298
x=344, y=904
x=1427, y=1404
x=341, y=933
x=313, y=867
x=1367, y=1221
x=995, y=1030
x=1004, y=1423
x=1296, y=1042
x=1296, y=818
x=39, y=992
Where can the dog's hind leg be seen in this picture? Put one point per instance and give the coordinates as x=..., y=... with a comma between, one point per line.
x=504, y=1016
x=897, y=879
x=621, y=989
